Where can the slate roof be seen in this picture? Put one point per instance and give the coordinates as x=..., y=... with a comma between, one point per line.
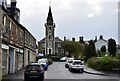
x=57, y=39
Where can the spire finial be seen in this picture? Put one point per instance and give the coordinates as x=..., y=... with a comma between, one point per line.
x=50, y=3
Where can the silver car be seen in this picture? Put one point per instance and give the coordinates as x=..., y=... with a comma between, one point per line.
x=76, y=65
x=70, y=60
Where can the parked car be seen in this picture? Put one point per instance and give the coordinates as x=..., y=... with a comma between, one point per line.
x=44, y=63
x=63, y=59
x=33, y=70
x=76, y=65
x=50, y=61
x=68, y=62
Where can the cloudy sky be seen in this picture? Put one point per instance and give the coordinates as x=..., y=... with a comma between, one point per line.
x=73, y=18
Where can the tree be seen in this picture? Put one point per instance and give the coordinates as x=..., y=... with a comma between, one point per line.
x=92, y=47
x=89, y=50
x=112, y=47
x=73, y=39
x=72, y=47
x=103, y=48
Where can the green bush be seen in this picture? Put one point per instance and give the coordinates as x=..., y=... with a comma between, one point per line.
x=92, y=62
x=118, y=56
x=105, y=63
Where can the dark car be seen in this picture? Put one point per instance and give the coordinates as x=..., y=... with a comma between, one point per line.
x=34, y=71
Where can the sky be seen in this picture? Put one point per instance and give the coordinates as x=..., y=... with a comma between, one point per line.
x=73, y=18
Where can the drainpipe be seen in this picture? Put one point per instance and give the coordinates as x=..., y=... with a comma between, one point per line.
x=0, y=44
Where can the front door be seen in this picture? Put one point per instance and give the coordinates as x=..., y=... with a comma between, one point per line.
x=11, y=62
x=49, y=51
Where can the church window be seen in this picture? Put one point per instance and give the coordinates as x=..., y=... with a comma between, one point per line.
x=49, y=43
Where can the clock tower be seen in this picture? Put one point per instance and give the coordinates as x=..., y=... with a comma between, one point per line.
x=49, y=34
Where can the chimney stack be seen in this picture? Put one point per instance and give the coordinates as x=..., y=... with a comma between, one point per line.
x=64, y=38
x=95, y=38
x=13, y=7
x=73, y=39
x=4, y=3
x=81, y=39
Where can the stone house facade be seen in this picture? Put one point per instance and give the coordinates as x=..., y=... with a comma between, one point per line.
x=18, y=45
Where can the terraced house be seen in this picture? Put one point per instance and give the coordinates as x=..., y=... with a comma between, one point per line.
x=18, y=45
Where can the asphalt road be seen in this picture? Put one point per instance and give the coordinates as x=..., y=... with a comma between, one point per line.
x=58, y=72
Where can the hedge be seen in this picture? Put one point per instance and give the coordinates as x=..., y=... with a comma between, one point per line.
x=105, y=63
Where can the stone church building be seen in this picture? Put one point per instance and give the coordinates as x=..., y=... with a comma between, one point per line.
x=50, y=44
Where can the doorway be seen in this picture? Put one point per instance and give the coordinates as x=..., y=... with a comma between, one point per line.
x=11, y=65
x=50, y=51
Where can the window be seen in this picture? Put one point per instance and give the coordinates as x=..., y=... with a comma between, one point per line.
x=4, y=22
x=59, y=45
x=49, y=43
x=57, y=50
x=5, y=29
x=62, y=51
x=26, y=38
x=16, y=34
x=10, y=25
x=21, y=37
x=4, y=57
x=43, y=45
x=49, y=38
x=10, y=28
x=30, y=41
x=20, y=60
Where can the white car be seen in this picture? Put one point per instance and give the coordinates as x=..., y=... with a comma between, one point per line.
x=76, y=65
x=63, y=59
x=68, y=62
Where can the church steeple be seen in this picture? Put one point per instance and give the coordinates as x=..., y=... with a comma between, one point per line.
x=49, y=34
x=50, y=18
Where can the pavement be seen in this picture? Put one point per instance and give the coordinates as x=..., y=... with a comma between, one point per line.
x=95, y=72
x=15, y=75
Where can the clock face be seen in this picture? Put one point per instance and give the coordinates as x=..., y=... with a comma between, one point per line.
x=49, y=32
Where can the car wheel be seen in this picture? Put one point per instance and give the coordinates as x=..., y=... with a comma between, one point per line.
x=65, y=66
x=82, y=70
x=45, y=68
x=26, y=78
x=69, y=69
x=42, y=77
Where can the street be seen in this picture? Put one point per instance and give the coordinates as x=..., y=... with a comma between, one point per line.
x=58, y=71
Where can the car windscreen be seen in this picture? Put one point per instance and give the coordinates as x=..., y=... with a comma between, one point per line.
x=70, y=61
x=36, y=67
x=42, y=61
x=77, y=63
